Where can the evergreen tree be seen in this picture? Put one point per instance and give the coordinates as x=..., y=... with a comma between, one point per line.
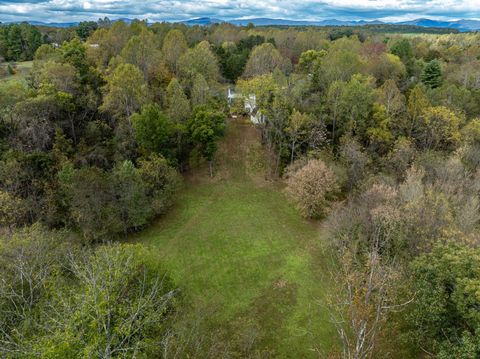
x=432, y=74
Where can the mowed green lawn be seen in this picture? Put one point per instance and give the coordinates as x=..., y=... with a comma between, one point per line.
x=242, y=254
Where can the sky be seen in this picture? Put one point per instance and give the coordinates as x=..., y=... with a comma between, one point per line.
x=175, y=10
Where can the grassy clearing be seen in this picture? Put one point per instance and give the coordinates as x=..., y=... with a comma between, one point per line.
x=22, y=70
x=242, y=254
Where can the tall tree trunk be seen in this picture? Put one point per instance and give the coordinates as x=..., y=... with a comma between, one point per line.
x=293, y=152
x=210, y=165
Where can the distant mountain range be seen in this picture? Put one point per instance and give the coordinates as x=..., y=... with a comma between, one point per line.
x=461, y=25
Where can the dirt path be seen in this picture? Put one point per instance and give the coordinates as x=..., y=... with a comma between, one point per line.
x=240, y=157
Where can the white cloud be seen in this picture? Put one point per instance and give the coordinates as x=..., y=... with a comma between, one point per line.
x=74, y=10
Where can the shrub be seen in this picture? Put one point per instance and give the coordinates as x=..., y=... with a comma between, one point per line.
x=11, y=70
x=312, y=188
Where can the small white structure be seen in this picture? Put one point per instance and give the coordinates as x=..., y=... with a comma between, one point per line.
x=95, y=46
x=231, y=96
x=250, y=105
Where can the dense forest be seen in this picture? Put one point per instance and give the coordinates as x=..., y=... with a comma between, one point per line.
x=373, y=135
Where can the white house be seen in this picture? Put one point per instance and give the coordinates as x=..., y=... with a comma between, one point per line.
x=250, y=105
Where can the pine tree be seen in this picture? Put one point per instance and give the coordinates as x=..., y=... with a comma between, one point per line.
x=432, y=74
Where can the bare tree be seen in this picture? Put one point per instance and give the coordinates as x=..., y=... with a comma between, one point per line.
x=368, y=274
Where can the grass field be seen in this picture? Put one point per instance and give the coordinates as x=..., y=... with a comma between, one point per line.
x=22, y=70
x=245, y=259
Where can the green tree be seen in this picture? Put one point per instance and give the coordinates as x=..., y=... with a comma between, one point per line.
x=125, y=91
x=75, y=53
x=310, y=60
x=62, y=76
x=178, y=106
x=263, y=87
x=389, y=95
x=161, y=182
x=199, y=60
x=386, y=67
x=432, y=74
x=85, y=29
x=333, y=102
x=62, y=301
x=444, y=319
x=403, y=49
x=131, y=200
x=18, y=42
x=91, y=201
x=12, y=211
x=11, y=92
x=142, y=52
x=154, y=131
x=205, y=129
x=200, y=91
x=337, y=65
x=355, y=106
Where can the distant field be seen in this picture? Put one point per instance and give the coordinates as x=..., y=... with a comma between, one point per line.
x=418, y=34
x=251, y=267
x=22, y=69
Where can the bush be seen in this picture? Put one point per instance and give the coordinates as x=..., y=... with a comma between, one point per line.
x=312, y=188
x=11, y=70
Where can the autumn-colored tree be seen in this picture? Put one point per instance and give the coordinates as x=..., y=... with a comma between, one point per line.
x=416, y=105
x=379, y=133
x=298, y=130
x=390, y=96
x=386, y=67
x=312, y=188
x=174, y=46
x=438, y=129
x=264, y=59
